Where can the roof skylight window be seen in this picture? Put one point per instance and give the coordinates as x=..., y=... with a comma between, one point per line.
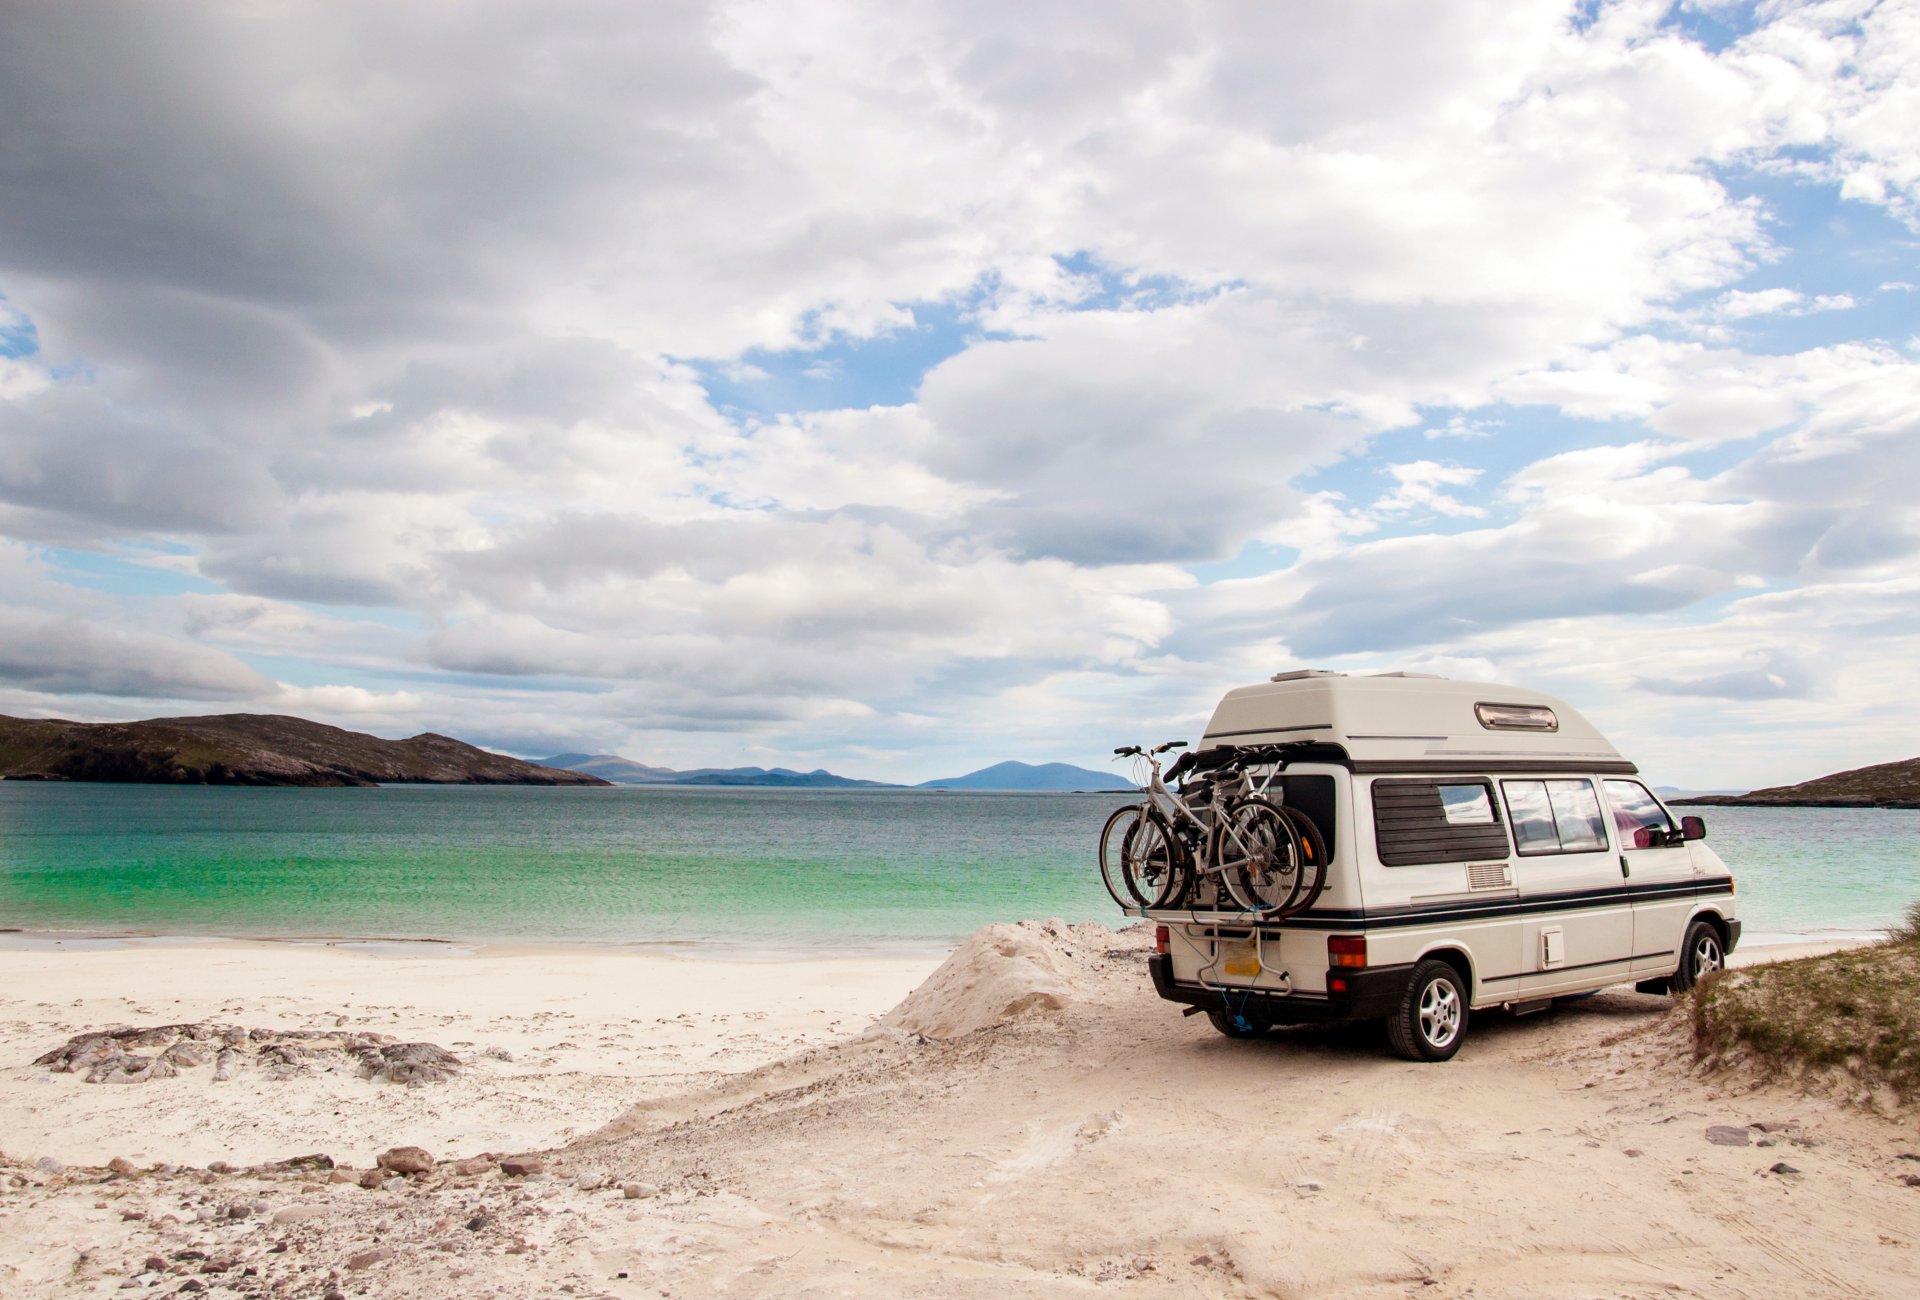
x=1516, y=717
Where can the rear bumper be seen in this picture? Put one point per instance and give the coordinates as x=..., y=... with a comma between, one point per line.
x=1371, y=994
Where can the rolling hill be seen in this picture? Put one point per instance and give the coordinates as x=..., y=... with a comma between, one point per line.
x=251, y=749
x=1883, y=785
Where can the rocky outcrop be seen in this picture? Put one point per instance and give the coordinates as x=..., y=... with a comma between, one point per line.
x=1884, y=785
x=252, y=749
x=112, y=1055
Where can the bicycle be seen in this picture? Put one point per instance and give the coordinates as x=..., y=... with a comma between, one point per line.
x=1269, y=859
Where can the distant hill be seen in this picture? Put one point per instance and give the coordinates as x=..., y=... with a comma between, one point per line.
x=251, y=749
x=611, y=768
x=624, y=771
x=1031, y=776
x=1884, y=785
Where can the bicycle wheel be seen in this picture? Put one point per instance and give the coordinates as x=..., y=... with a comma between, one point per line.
x=1259, y=858
x=1152, y=862
x=1313, y=846
x=1113, y=837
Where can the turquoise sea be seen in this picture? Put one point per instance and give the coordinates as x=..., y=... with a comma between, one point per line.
x=769, y=870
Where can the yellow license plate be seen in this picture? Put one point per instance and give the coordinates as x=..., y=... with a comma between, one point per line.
x=1239, y=957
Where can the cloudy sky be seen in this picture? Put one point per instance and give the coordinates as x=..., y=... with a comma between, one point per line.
x=901, y=388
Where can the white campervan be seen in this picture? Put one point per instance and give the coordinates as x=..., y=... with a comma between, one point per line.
x=1485, y=847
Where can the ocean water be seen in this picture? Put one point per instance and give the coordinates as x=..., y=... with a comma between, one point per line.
x=743, y=868
x=751, y=870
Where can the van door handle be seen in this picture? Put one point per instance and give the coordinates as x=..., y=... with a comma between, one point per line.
x=1625, y=871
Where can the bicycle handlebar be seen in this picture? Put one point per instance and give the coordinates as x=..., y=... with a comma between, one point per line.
x=1161, y=748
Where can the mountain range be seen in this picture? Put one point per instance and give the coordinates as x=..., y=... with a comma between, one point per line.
x=624, y=771
x=1000, y=776
x=265, y=749
x=1061, y=777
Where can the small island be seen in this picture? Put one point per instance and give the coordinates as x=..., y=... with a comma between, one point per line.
x=252, y=749
x=1883, y=785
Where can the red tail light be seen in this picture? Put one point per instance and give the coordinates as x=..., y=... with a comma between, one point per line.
x=1346, y=950
x=1160, y=938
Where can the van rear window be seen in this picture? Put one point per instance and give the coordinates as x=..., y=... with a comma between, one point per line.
x=1436, y=821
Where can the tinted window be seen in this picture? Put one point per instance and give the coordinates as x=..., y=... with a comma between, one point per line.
x=1635, y=810
x=1434, y=821
x=1555, y=816
x=1312, y=795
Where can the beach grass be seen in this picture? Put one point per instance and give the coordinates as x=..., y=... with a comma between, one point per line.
x=1856, y=1012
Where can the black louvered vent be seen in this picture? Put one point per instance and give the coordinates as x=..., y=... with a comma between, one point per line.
x=1410, y=825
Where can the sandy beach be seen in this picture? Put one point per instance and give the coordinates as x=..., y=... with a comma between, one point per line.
x=1026, y=1119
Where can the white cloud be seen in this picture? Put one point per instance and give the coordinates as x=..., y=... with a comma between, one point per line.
x=66, y=655
x=352, y=305
x=350, y=701
x=1421, y=488
x=1738, y=304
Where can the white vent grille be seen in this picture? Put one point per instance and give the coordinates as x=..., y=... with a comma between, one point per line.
x=1489, y=875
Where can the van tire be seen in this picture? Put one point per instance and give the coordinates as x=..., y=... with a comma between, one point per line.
x=1237, y=1026
x=1702, y=953
x=1431, y=1021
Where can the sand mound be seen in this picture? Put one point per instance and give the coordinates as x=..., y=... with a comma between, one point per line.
x=998, y=973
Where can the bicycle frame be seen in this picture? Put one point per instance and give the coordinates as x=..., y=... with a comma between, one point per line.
x=1181, y=814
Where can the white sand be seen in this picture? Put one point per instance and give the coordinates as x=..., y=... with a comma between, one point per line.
x=784, y=1143
x=588, y=1030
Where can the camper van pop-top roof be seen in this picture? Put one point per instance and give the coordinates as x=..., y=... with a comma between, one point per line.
x=1414, y=723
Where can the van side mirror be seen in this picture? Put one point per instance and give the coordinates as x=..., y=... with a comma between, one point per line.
x=1693, y=828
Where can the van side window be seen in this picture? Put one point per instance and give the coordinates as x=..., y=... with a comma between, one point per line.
x=1436, y=821
x=1635, y=811
x=1555, y=816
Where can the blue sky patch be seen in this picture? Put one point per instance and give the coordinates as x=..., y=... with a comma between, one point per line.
x=18, y=336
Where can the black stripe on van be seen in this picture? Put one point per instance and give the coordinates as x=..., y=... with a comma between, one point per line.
x=1497, y=767
x=1578, y=900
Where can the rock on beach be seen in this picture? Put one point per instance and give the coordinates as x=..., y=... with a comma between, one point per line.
x=406, y=1160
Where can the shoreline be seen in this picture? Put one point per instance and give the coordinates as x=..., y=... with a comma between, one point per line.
x=33, y=939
